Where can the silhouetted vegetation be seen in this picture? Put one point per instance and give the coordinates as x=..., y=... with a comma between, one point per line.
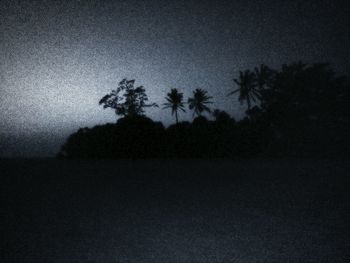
x=130, y=137
x=248, y=89
x=126, y=100
x=175, y=102
x=300, y=110
x=198, y=103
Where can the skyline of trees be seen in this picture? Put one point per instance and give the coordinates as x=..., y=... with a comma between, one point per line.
x=255, y=88
x=302, y=109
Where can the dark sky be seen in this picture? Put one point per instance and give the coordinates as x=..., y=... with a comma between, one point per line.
x=57, y=59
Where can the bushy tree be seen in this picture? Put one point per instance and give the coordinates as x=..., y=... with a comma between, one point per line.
x=306, y=106
x=222, y=116
x=127, y=100
x=306, y=93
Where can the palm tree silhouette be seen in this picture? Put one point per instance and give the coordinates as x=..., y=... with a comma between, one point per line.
x=175, y=102
x=248, y=89
x=263, y=76
x=199, y=101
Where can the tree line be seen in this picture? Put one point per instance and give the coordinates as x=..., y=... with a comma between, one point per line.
x=300, y=109
x=129, y=101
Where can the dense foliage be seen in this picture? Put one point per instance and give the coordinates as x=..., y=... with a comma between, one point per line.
x=300, y=110
x=127, y=100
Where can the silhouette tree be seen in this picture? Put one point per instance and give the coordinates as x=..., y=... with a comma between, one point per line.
x=305, y=106
x=175, y=102
x=303, y=110
x=248, y=89
x=198, y=103
x=126, y=100
x=264, y=77
x=221, y=116
x=137, y=137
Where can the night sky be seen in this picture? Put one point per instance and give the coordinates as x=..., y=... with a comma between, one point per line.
x=57, y=59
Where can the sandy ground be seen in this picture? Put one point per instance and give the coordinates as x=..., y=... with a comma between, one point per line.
x=175, y=211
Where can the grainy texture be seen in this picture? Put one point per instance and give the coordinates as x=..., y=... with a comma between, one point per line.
x=175, y=211
x=58, y=58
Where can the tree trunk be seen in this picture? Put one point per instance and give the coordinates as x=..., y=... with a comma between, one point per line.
x=248, y=102
x=177, y=121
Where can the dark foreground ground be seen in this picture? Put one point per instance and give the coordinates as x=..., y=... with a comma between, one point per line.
x=175, y=211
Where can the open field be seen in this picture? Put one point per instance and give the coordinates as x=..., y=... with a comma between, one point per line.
x=175, y=211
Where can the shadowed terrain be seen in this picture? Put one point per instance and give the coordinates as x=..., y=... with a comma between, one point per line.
x=299, y=110
x=175, y=211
